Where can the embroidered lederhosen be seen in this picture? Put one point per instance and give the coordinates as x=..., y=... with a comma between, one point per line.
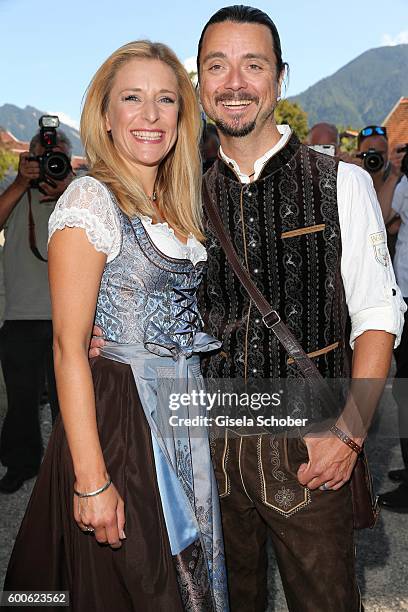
x=285, y=227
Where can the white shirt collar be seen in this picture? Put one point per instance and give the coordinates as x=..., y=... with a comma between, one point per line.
x=285, y=132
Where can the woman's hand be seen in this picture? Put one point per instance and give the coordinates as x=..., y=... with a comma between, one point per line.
x=104, y=513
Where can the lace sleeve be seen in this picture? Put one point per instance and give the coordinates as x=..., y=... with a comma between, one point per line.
x=87, y=204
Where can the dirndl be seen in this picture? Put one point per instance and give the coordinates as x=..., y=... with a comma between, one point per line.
x=51, y=553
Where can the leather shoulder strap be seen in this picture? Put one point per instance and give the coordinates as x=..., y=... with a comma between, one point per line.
x=270, y=317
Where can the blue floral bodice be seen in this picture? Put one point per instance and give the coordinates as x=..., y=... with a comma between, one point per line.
x=147, y=297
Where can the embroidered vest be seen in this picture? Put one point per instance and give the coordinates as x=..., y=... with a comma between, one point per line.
x=285, y=228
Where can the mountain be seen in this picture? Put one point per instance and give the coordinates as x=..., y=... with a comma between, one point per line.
x=23, y=124
x=361, y=93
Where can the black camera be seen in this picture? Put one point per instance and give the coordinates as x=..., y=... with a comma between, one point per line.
x=53, y=164
x=373, y=160
x=404, y=161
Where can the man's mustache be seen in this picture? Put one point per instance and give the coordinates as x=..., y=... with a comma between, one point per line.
x=236, y=97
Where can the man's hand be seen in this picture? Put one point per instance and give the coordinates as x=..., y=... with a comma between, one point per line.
x=97, y=342
x=54, y=189
x=331, y=462
x=27, y=170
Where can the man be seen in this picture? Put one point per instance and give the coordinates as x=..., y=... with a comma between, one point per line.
x=309, y=231
x=386, y=176
x=278, y=201
x=327, y=134
x=324, y=134
x=24, y=214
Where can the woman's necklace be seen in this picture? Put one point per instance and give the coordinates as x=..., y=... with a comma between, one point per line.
x=153, y=200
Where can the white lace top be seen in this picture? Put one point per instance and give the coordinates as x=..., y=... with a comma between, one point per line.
x=87, y=204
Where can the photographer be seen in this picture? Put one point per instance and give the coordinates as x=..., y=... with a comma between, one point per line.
x=26, y=336
x=385, y=171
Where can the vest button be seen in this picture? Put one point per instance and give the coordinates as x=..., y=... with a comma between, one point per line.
x=251, y=219
x=256, y=271
x=257, y=320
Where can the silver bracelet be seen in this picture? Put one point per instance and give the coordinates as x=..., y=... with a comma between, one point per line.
x=101, y=490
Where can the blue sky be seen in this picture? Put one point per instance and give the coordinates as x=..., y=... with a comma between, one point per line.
x=50, y=50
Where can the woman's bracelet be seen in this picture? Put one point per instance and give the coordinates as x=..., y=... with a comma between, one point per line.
x=93, y=493
x=346, y=439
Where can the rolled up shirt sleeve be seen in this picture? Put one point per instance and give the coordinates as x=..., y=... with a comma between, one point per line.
x=373, y=297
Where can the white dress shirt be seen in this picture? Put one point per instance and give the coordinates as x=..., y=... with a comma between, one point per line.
x=373, y=298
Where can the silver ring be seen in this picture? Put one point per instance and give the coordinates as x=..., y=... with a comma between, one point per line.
x=87, y=528
x=324, y=487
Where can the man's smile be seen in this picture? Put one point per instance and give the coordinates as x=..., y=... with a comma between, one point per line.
x=236, y=103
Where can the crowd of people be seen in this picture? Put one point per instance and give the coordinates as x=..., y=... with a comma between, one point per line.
x=129, y=512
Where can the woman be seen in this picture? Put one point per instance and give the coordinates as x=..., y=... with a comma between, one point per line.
x=125, y=243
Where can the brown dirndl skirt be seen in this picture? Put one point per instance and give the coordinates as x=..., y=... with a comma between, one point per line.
x=52, y=553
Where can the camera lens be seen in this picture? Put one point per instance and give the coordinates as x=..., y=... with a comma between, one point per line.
x=56, y=165
x=373, y=161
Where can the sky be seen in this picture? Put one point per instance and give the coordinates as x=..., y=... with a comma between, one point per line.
x=50, y=50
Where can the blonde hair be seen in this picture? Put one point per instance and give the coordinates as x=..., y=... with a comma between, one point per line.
x=178, y=183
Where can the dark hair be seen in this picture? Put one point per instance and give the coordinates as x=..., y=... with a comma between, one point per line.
x=238, y=13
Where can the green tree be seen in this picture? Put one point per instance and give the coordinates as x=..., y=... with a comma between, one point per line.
x=294, y=115
x=7, y=160
x=347, y=144
x=193, y=77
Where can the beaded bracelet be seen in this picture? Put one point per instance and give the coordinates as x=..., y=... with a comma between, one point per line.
x=93, y=493
x=346, y=439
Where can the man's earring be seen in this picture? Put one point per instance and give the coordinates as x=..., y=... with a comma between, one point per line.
x=278, y=98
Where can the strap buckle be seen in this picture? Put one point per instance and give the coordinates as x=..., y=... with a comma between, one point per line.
x=271, y=319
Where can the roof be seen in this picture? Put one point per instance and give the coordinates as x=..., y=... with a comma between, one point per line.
x=348, y=133
x=11, y=143
x=397, y=123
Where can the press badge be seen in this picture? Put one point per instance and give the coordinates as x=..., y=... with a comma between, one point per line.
x=379, y=243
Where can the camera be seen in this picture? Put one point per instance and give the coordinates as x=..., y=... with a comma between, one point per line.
x=53, y=164
x=404, y=161
x=373, y=160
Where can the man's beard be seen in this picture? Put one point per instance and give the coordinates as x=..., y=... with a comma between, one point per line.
x=234, y=128
x=237, y=131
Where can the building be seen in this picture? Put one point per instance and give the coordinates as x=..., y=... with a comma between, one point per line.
x=11, y=143
x=397, y=124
